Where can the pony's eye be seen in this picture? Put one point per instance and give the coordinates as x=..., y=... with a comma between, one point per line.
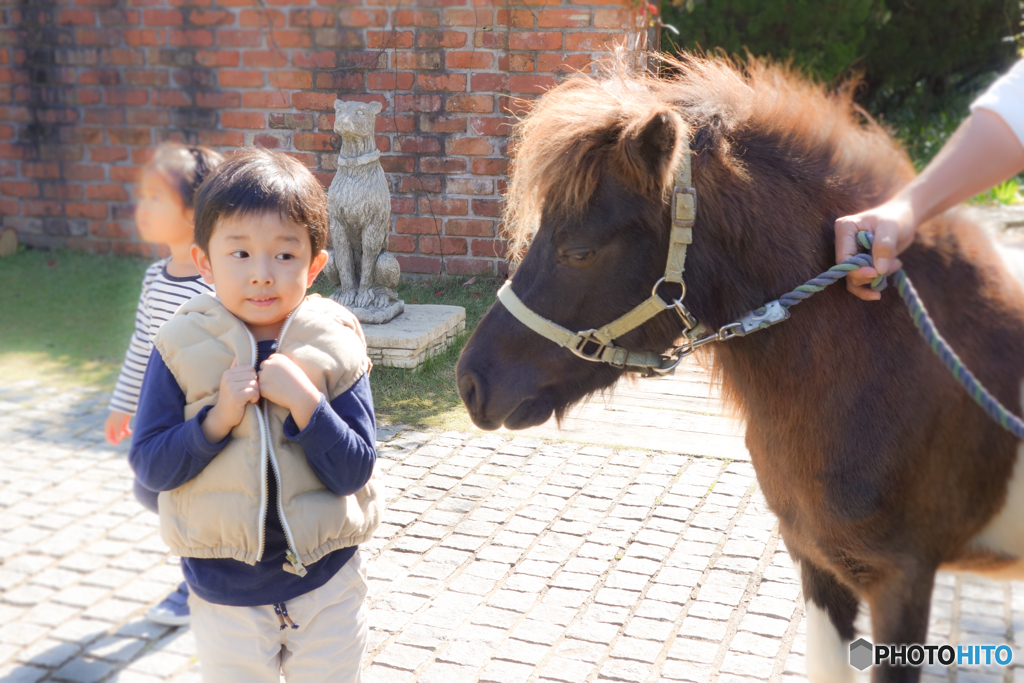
x=579, y=256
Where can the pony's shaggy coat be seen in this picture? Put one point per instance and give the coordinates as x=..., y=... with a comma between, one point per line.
x=577, y=130
x=879, y=466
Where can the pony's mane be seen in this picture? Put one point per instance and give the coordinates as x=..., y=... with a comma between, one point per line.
x=564, y=143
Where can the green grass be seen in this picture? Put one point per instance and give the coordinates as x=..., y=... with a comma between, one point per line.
x=1006, y=193
x=66, y=318
x=427, y=396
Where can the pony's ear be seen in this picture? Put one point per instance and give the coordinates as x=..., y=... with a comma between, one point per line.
x=648, y=150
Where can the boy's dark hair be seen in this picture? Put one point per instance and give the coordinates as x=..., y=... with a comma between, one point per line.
x=255, y=182
x=184, y=168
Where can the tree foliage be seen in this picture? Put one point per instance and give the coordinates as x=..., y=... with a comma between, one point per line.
x=900, y=46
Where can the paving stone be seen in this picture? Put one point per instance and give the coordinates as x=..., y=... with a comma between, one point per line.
x=500, y=671
x=501, y=559
x=80, y=670
x=624, y=670
x=440, y=672
x=567, y=670
x=521, y=651
x=17, y=673
x=466, y=653
x=48, y=653
x=403, y=656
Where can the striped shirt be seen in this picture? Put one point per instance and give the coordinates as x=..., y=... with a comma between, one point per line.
x=162, y=295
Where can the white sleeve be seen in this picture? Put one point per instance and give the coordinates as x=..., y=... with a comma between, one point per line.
x=1005, y=98
x=129, y=382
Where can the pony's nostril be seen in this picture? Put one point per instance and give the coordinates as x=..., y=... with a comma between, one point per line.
x=468, y=390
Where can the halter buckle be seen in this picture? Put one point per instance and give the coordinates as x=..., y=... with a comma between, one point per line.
x=578, y=348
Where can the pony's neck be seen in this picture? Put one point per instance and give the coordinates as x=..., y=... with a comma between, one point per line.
x=357, y=146
x=727, y=278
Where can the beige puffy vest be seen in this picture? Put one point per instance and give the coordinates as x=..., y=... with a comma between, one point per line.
x=221, y=513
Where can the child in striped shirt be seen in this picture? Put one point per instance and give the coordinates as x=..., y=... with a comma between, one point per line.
x=163, y=215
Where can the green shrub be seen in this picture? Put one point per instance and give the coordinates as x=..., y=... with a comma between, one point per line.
x=825, y=38
x=937, y=48
x=921, y=62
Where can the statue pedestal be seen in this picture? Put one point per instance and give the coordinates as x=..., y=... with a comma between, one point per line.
x=422, y=331
x=378, y=316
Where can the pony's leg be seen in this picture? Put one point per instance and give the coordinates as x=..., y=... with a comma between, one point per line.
x=831, y=610
x=899, y=616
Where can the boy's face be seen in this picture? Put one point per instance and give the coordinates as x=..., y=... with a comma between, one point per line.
x=261, y=267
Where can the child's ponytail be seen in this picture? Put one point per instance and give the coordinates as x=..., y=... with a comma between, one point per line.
x=184, y=168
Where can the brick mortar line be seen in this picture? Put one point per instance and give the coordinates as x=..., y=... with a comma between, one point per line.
x=753, y=584
x=716, y=554
x=103, y=624
x=439, y=651
x=788, y=638
x=403, y=530
x=543, y=592
x=650, y=582
x=461, y=568
x=603, y=577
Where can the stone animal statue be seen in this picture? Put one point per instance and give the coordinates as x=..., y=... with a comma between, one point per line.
x=359, y=205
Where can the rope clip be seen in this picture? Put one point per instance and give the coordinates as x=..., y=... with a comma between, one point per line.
x=770, y=314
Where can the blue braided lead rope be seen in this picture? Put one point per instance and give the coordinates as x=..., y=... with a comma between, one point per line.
x=989, y=403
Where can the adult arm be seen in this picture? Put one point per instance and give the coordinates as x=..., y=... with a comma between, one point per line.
x=340, y=439
x=168, y=450
x=985, y=150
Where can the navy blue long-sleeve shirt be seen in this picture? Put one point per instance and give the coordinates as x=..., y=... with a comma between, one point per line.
x=168, y=451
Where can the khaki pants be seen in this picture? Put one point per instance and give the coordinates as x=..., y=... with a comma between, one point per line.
x=247, y=644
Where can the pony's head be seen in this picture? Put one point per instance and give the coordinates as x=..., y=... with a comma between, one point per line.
x=775, y=160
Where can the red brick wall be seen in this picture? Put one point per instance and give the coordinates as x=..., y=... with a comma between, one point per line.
x=88, y=87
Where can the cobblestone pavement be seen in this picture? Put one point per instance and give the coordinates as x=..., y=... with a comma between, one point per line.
x=500, y=559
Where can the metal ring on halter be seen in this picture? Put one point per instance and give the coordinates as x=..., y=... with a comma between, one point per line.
x=689, y=322
x=654, y=291
x=659, y=283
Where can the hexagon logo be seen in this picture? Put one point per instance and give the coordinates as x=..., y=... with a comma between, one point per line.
x=861, y=654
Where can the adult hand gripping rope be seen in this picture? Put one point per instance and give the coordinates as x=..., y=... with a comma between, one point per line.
x=989, y=403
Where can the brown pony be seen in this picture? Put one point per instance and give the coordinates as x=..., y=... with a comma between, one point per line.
x=879, y=466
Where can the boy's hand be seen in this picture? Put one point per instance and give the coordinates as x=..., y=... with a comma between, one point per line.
x=238, y=386
x=284, y=383
x=116, y=429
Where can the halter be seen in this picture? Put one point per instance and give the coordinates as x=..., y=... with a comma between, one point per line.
x=597, y=345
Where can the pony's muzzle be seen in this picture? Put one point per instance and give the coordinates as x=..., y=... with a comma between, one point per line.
x=473, y=394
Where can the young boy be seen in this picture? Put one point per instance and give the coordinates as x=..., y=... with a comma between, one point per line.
x=256, y=423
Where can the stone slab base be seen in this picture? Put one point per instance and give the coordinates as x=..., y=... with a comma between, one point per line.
x=421, y=332
x=378, y=316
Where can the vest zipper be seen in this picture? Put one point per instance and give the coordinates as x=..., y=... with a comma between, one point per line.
x=264, y=442
x=293, y=554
